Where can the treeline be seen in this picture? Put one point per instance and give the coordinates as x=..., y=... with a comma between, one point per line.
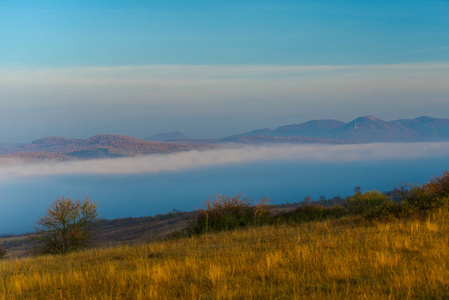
x=232, y=212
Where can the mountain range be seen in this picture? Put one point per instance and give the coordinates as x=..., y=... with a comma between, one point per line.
x=367, y=129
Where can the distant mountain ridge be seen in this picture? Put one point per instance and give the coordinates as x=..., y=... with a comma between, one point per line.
x=361, y=130
x=366, y=129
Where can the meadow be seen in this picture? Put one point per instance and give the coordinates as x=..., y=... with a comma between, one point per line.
x=349, y=257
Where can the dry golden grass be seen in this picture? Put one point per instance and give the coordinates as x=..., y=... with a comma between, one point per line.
x=342, y=259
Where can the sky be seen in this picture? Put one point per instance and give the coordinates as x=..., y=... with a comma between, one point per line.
x=216, y=68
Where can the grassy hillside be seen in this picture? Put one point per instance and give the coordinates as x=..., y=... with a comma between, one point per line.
x=343, y=258
x=126, y=230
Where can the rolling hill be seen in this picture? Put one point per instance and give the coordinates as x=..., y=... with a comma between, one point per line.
x=98, y=146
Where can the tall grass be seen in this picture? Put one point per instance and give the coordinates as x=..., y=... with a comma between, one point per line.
x=2, y=251
x=346, y=258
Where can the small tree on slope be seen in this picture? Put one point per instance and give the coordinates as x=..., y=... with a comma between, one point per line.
x=67, y=226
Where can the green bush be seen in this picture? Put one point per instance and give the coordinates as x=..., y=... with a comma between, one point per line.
x=433, y=194
x=315, y=212
x=428, y=202
x=421, y=197
x=419, y=200
x=392, y=210
x=439, y=185
x=229, y=212
x=364, y=203
x=440, y=202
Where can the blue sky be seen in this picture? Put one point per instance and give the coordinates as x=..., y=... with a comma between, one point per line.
x=213, y=68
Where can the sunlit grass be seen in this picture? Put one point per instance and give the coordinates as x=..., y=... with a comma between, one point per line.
x=346, y=258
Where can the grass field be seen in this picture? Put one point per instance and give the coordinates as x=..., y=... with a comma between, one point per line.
x=344, y=258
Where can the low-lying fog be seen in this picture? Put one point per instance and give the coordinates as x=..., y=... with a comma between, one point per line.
x=147, y=185
x=10, y=169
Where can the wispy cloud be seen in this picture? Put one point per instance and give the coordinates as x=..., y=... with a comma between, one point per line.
x=13, y=169
x=171, y=84
x=208, y=71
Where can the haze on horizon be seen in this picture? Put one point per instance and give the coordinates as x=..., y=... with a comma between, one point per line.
x=15, y=169
x=76, y=69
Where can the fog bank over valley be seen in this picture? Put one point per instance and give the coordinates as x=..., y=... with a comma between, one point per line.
x=229, y=155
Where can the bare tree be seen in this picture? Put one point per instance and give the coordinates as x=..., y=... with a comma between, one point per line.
x=67, y=226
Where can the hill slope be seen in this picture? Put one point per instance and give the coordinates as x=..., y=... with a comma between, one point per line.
x=340, y=259
x=106, y=145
